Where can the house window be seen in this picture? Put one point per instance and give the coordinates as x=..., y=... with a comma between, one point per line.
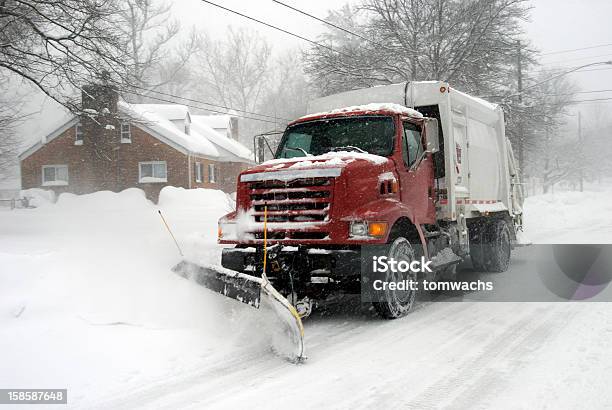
x=54, y=175
x=152, y=171
x=126, y=133
x=212, y=173
x=198, y=172
x=78, y=134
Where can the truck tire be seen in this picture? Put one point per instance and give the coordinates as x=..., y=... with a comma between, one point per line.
x=393, y=304
x=497, y=248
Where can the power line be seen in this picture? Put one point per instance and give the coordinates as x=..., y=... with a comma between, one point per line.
x=209, y=104
x=555, y=95
x=578, y=59
x=198, y=107
x=558, y=76
x=577, y=71
x=276, y=28
x=591, y=100
x=329, y=24
x=580, y=92
x=576, y=49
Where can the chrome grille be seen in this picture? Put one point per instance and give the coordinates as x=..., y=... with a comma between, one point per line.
x=299, y=200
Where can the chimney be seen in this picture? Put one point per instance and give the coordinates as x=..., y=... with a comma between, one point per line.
x=233, y=128
x=99, y=97
x=101, y=127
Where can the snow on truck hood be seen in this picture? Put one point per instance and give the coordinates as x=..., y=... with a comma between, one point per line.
x=325, y=165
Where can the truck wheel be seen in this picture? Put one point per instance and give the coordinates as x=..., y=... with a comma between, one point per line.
x=393, y=304
x=497, y=249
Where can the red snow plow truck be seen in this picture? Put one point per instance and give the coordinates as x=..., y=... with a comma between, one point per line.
x=418, y=169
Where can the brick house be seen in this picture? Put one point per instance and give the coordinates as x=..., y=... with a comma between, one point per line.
x=115, y=145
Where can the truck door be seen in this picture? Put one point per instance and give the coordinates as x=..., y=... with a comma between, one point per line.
x=416, y=174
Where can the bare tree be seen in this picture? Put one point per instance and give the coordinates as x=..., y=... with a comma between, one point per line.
x=11, y=117
x=235, y=70
x=536, y=124
x=595, y=146
x=465, y=43
x=58, y=45
x=288, y=93
x=150, y=34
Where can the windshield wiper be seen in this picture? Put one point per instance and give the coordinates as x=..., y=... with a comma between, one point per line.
x=303, y=151
x=348, y=148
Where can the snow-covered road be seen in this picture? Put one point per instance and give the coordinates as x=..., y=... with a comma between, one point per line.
x=443, y=355
x=87, y=302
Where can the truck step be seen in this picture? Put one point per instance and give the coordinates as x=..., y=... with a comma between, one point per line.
x=446, y=257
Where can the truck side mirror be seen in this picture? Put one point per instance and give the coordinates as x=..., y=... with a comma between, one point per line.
x=432, y=139
x=260, y=143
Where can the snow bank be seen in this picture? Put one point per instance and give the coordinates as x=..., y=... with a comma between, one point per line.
x=38, y=197
x=203, y=199
x=129, y=199
x=569, y=217
x=87, y=281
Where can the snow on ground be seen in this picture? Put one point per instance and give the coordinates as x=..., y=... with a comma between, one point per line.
x=87, y=302
x=569, y=217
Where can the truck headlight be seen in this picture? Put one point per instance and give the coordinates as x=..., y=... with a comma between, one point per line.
x=368, y=229
x=359, y=228
x=227, y=230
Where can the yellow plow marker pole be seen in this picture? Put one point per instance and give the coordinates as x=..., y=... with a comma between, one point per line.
x=265, y=240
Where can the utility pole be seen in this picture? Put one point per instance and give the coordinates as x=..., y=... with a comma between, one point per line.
x=521, y=138
x=581, y=144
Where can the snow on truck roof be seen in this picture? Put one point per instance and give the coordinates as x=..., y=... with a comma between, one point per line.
x=406, y=94
x=368, y=108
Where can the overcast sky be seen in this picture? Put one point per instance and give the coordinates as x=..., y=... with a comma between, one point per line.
x=556, y=25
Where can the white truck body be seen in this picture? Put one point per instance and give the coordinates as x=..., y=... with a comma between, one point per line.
x=480, y=174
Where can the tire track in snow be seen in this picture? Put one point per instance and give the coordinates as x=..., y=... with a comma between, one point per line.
x=344, y=352
x=471, y=376
x=217, y=380
x=493, y=381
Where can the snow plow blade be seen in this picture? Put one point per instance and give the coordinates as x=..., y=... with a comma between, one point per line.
x=250, y=290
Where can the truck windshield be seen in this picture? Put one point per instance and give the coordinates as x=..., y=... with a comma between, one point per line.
x=371, y=134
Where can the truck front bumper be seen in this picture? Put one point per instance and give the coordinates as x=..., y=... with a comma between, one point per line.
x=334, y=263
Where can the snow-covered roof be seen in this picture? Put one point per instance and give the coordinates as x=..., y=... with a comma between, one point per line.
x=167, y=111
x=221, y=121
x=157, y=119
x=228, y=148
x=148, y=117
